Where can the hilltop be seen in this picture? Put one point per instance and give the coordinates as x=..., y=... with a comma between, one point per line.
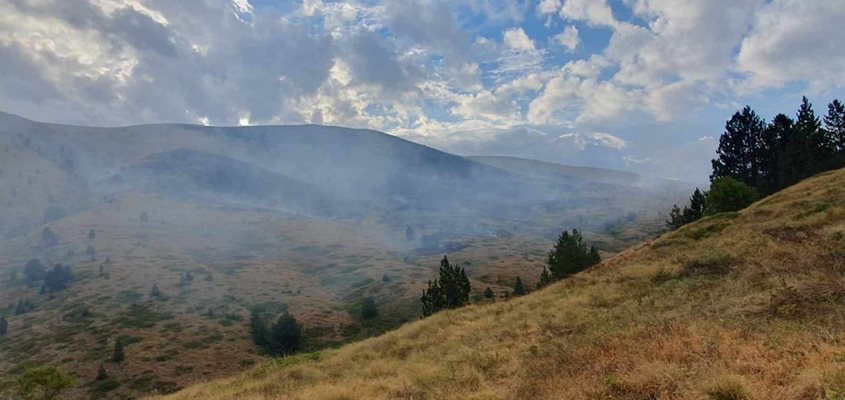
x=745, y=305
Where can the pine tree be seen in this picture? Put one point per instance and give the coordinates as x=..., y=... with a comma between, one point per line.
x=92, y=234
x=258, y=329
x=450, y=290
x=571, y=255
x=519, y=288
x=119, y=354
x=676, y=219
x=488, y=293
x=819, y=153
x=4, y=325
x=34, y=271
x=91, y=252
x=738, y=146
x=545, y=278
x=696, y=208
x=59, y=278
x=369, y=309
x=48, y=237
x=834, y=124
x=155, y=292
x=409, y=234
x=285, y=336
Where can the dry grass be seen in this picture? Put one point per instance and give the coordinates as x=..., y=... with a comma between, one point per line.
x=688, y=316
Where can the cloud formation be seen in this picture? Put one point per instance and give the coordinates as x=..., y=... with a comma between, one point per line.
x=620, y=84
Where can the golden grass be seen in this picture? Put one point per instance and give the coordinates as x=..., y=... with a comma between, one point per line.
x=733, y=307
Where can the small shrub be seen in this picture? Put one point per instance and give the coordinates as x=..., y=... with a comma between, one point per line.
x=727, y=390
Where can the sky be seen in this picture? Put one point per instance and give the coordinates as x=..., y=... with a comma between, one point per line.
x=638, y=85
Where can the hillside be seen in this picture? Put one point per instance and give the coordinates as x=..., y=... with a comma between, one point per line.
x=736, y=306
x=308, y=219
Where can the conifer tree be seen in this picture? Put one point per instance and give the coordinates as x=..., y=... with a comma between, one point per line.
x=91, y=252
x=34, y=271
x=519, y=288
x=450, y=290
x=410, y=235
x=118, y=355
x=675, y=221
x=258, y=329
x=545, y=278
x=285, y=336
x=369, y=309
x=738, y=146
x=488, y=293
x=92, y=234
x=155, y=292
x=571, y=255
x=834, y=124
x=4, y=325
x=696, y=208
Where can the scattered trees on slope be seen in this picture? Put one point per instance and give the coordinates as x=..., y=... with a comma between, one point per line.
x=450, y=290
x=756, y=158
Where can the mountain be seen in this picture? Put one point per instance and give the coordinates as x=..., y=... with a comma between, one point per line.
x=306, y=219
x=557, y=172
x=743, y=305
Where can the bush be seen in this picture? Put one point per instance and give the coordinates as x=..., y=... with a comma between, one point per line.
x=728, y=194
x=43, y=383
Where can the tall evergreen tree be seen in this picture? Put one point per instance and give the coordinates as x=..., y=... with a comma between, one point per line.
x=834, y=124
x=119, y=354
x=258, y=329
x=738, y=146
x=92, y=234
x=519, y=288
x=369, y=309
x=4, y=325
x=675, y=221
x=808, y=125
x=571, y=255
x=545, y=278
x=488, y=293
x=34, y=271
x=155, y=292
x=285, y=336
x=450, y=290
x=59, y=278
x=696, y=208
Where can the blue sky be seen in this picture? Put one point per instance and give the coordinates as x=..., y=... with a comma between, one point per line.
x=640, y=85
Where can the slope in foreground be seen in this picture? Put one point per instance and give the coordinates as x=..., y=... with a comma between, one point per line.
x=741, y=305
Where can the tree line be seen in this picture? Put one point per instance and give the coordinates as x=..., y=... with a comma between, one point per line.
x=756, y=158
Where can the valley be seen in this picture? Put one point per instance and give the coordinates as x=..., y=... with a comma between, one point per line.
x=297, y=219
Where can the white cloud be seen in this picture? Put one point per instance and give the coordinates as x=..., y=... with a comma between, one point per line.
x=569, y=38
x=548, y=7
x=594, y=12
x=517, y=39
x=795, y=40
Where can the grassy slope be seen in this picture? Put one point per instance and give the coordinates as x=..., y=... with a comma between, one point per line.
x=748, y=302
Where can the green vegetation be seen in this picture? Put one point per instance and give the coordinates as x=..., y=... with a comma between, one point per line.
x=571, y=255
x=368, y=308
x=4, y=325
x=43, y=383
x=519, y=288
x=119, y=353
x=283, y=338
x=450, y=290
